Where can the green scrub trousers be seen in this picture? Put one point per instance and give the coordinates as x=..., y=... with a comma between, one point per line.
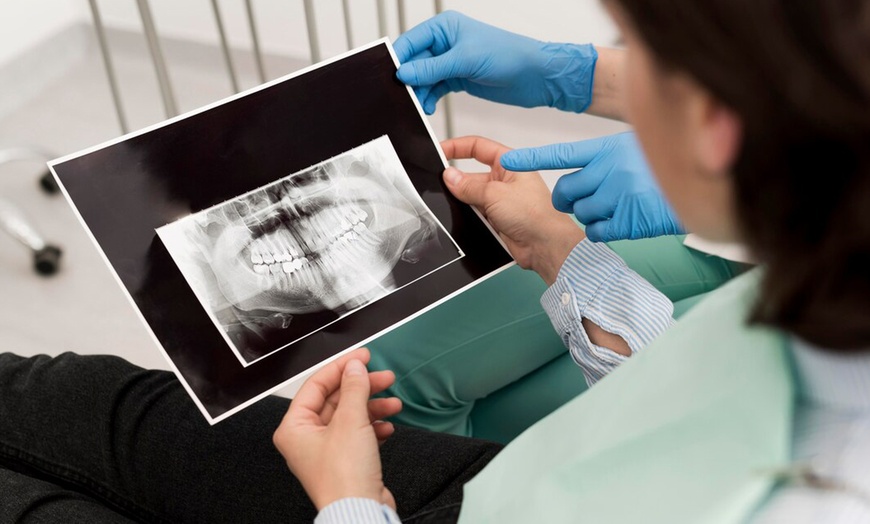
x=488, y=364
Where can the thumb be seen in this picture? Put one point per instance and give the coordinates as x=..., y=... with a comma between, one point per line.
x=603, y=231
x=355, y=393
x=469, y=188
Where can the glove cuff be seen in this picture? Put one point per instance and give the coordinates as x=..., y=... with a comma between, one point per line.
x=569, y=72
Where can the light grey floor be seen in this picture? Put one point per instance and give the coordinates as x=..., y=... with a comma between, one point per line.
x=82, y=309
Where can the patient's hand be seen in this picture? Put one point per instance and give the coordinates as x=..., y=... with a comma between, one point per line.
x=331, y=432
x=518, y=205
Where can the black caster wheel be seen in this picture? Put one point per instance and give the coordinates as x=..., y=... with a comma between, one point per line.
x=48, y=184
x=46, y=261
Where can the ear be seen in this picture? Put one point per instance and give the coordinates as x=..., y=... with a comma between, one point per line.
x=719, y=135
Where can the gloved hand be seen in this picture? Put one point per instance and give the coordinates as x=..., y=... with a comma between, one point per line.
x=452, y=52
x=614, y=195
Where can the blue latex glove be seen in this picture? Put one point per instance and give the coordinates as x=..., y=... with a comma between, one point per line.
x=614, y=195
x=452, y=52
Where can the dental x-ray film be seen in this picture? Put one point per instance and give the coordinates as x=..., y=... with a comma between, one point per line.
x=290, y=258
x=266, y=234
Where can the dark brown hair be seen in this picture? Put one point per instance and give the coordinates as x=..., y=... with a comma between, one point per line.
x=797, y=72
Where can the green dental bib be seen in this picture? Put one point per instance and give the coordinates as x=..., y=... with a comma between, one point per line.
x=685, y=431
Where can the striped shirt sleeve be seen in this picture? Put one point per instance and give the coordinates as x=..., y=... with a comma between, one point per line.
x=595, y=283
x=357, y=511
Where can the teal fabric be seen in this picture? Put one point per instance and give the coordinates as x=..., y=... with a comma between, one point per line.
x=488, y=364
x=677, y=271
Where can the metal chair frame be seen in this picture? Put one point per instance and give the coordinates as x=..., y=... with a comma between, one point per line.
x=170, y=105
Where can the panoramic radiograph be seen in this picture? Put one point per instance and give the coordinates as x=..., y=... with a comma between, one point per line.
x=323, y=241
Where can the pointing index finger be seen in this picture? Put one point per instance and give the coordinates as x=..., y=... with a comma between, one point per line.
x=568, y=155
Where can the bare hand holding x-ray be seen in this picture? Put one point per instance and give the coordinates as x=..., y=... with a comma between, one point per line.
x=287, y=259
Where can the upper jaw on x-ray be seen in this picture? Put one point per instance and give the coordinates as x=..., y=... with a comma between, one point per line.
x=323, y=239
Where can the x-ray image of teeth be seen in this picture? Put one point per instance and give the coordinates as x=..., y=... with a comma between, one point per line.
x=288, y=259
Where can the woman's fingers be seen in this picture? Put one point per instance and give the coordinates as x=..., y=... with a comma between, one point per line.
x=316, y=391
x=380, y=408
x=321, y=394
x=352, y=410
x=471, y=188
x=379, y=380
x=383, y=430
x=483, y=150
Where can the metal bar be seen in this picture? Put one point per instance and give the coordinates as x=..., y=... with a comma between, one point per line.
x=255, y=40
x=169, y=104
x=448, y=116
x=311, y=21
x=382, y=18
x=348, y=31
x=225, y=46
x=107, y=62
x=448, y=109
x=400, y=9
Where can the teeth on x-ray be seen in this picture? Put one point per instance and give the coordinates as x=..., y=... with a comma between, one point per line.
x=286, y=265
x=350, y=230
x=325, y=238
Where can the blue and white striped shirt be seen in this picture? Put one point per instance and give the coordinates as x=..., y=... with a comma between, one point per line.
x=595, y=283
x=832, y=420
x=357, y=511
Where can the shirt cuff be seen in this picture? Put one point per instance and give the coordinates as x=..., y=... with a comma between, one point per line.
x=595, y=283
x=357, y=511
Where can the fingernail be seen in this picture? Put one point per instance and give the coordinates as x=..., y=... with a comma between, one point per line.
x=452, y=176
x=354, y=367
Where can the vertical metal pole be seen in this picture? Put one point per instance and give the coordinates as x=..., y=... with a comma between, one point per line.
x=225, y=46
x=255, y=40
x=107, y=62
x=400, y=9
x=311, y=21
x=448, y=110
x=382, y=18
x=348, y=31
x=157, y=57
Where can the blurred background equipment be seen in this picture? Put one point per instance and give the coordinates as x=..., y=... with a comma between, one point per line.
x=46, y=257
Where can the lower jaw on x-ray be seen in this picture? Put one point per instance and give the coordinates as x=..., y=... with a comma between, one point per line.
x=304, y=246
x=322, y=242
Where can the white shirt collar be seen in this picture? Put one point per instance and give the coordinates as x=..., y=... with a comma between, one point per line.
x=834, y=380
